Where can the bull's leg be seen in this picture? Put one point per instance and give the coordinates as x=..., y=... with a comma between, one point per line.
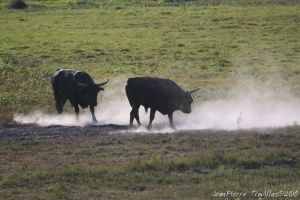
x=170, y=115
x=93, y=114
x=131, y=117
x=152, y=115
x=76, y=108
x=134, y=114
x=59, y=107
x=59, y=103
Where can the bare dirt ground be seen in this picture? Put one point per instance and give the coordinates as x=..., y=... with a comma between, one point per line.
x=15, y=130
x=30, y=131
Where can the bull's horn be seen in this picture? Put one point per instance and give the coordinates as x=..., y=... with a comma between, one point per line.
x=102, y=83
x=193, y=90
x=81, y=84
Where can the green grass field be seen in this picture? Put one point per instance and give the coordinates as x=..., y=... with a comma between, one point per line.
x=206, y=45
x=212, y=44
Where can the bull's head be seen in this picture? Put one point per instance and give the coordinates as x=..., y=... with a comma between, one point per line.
x=187, y=101
x=88, y=92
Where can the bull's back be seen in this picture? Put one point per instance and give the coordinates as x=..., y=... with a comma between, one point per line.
x=140, y=89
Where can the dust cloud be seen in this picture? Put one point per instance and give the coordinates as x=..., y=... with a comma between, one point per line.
x=252, y=104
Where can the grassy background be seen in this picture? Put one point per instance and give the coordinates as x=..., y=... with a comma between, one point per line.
x=200, y=43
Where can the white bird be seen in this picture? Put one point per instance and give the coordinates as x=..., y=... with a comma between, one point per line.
x=239, y=120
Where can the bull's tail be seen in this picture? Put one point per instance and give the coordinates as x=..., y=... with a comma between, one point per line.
x=128, y=94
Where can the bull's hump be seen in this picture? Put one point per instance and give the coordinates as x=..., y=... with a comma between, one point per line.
x=71, y=71
x=83, y=77
x=65, y=72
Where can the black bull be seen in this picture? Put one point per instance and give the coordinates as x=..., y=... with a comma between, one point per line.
x=77, y=87
x=158, y=94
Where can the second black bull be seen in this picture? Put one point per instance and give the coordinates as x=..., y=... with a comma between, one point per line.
x=158, y=94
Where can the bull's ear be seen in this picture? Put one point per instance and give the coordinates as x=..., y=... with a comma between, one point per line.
x=102, y=83
x=100, y=88
x=97, y=88
x=193, y=90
